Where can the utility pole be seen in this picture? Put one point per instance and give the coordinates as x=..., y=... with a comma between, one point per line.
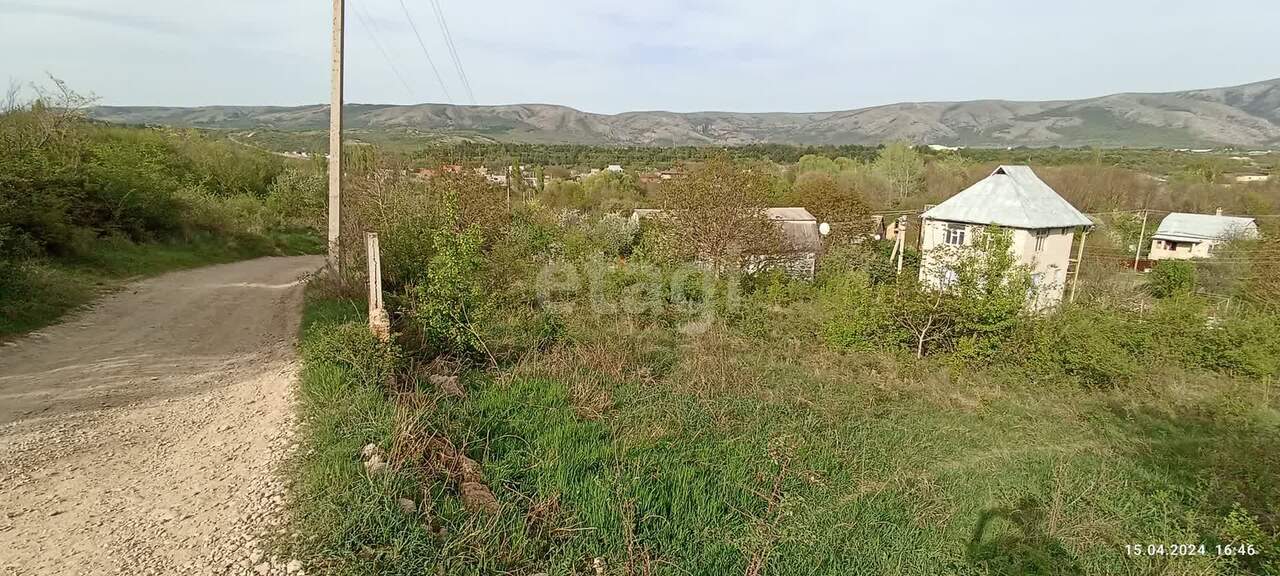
x=1141, y=232
x=1075, y=275
x=335, y=144
x=902, y=240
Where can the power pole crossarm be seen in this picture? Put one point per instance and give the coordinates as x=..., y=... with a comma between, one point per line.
x=335, y=143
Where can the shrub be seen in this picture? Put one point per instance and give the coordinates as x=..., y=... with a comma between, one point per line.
x=871, y=257
x=450, y=300
x=298, y=199
x=1171, y=278
x=1096, y=347
x=353, y=346
x=858, y=314
x=616, y=234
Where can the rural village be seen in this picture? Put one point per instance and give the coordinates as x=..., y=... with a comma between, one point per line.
x=415, y=329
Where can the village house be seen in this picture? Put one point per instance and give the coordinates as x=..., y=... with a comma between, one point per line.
x=801, y=238
x=1013, y=198
x=802, y=241
x=1185, y=236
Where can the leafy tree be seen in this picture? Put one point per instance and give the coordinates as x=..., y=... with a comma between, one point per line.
x=1171, y=278
x=902, y=167
x=719, y=213
x=829, y=201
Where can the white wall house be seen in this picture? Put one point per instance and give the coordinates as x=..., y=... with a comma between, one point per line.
x=1041, y=222
x=1185, y=236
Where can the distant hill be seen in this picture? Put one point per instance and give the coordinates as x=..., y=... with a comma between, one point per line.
x=1247, y=115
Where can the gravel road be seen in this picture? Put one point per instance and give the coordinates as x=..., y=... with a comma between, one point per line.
x=144, y=436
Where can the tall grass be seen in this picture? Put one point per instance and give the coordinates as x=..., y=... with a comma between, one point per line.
x=719, y=456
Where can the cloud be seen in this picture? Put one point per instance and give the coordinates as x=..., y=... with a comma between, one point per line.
x=108, y=17
x=611, y=56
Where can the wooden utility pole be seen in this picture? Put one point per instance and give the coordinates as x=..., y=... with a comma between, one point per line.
x=379, y=323
x=1075, y=275
x=335, y=144
x=1141, y=232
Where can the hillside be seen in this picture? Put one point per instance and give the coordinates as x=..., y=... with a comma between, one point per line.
x=1247, y=115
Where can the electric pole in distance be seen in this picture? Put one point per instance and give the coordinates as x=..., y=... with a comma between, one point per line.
x=335, y=144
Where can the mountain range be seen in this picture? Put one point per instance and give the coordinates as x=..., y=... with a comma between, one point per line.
x=1244, y=116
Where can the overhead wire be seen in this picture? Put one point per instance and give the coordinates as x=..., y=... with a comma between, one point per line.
x=453, y=49
x=371, y=28
x=409, y=18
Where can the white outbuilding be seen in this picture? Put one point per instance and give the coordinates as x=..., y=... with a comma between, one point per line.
x=1042, y=223
x=1183, y=236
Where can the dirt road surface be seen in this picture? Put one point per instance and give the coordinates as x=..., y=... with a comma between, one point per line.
x=144, y=436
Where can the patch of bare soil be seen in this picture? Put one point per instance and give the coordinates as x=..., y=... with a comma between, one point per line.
x=144, y=436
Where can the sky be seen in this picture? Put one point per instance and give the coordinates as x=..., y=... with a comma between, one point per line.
x=608, y=57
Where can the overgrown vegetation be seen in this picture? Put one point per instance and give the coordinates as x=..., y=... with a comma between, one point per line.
x=632, y=412
x=84, y=205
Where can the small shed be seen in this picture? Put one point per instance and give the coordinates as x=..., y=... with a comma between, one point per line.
x=801, y=237
x=1184, y=236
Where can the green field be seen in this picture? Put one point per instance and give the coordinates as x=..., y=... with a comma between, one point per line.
x=661, y=454
x=777, y=426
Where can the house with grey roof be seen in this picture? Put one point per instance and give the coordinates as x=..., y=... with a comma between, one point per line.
x=1184, y=236
x=1042, y=224
x=800, y=234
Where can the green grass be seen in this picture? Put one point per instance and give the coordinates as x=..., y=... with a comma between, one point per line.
x=664, y=454
x=36, y=293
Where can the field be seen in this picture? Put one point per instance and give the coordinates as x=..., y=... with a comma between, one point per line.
x=614, y=424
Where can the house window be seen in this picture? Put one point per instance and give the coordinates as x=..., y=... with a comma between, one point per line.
x=955, y=234
x=1041, y=236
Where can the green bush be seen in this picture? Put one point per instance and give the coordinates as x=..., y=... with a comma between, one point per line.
x=353, y=346
x=859, y=315
x=1095, y=347
x=65, y=181
x=451, y=300
x=1171, y=277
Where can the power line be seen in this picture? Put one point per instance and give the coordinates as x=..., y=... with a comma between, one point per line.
x=453, y=49
x=371, y=28
x=426, y=52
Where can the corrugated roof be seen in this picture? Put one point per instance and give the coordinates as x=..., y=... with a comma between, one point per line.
x=1012, y=196
x=1182, y=227
x=799, y=227
x=796, y=214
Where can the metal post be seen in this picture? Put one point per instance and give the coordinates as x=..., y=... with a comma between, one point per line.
x=335, y=143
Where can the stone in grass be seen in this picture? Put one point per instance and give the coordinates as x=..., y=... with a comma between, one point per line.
x=476, y=497
x=375, y=465
x=447, y=384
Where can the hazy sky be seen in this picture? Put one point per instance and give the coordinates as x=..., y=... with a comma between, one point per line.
x=602, y=56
